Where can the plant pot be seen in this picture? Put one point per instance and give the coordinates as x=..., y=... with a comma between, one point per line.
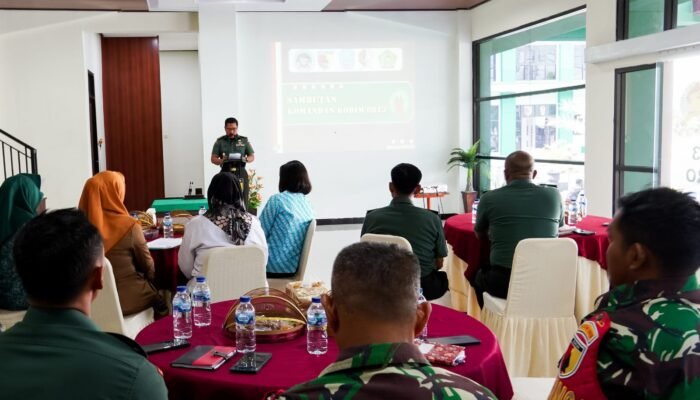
x=253, y=211
x=467, y=200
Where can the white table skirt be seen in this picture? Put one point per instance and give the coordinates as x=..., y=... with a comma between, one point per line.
x=591, y=282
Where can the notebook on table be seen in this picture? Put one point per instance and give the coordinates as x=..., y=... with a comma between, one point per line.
x=205, y=357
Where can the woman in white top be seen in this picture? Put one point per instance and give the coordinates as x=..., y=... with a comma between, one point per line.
x=225, y=224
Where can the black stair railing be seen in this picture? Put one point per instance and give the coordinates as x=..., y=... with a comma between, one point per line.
x=17, y=156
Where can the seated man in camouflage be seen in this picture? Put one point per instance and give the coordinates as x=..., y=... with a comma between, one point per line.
x=373, y=315
x=643, y=340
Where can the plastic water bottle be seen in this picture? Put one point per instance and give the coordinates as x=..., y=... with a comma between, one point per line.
x=316, y=328
x=573, y=214
x=182, y=314
x=201, y=302
x=202, y=210
x=475, y=207
x=424, y=333
x=582, y=205
x=167, y=226
x=245, y=326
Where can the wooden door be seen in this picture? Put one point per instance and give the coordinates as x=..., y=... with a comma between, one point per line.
x=132, y=116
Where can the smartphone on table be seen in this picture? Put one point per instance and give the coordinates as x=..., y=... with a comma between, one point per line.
x=164, y=346
x=251, y=362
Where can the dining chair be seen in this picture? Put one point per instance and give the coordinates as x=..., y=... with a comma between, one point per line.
x=535, y=323
x=281, y=283
x=233, y=271
x=390, y=239
x=107, y=311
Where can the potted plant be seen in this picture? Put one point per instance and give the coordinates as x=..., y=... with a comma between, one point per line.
x=468, y=160
x=254, y=195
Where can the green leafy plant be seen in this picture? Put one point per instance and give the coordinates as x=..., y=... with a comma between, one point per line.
x=255, y=185
x=467, y=159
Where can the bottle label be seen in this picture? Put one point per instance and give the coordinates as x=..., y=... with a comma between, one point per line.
x=182, y=308
x=201, y=296
x=245, y=318
x=317, y=319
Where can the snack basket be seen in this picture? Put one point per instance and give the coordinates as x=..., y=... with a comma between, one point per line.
x=301, y=293
x=277, y=317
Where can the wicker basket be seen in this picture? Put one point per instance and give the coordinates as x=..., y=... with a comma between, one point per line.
x=277, y=316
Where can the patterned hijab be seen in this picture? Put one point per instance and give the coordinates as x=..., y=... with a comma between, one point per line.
x=19, y=198
x=226, y=207
x=103, y=203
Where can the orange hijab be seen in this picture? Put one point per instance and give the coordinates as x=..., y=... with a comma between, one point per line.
x=103, y=203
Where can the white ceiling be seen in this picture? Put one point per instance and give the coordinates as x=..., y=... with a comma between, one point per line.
x=240, y=5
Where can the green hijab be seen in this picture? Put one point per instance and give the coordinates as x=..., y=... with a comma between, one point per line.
x=19, y=198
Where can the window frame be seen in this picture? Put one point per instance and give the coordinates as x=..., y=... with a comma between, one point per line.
x=619, y=166
x=478, y=99
x=623, y=17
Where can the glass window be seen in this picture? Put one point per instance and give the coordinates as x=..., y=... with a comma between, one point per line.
x=637, y=129
x=545, y=56
x=688, y=13
x=644, y=17
x=530, y=96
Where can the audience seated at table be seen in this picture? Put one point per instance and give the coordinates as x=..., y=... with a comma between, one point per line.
x=517, y=211
x=226, y=223
x=373, y=315
x=646, y=330
x=20, y=201
x=125, y=246
x=56, y=351
x=421, y=227
x=285, y=219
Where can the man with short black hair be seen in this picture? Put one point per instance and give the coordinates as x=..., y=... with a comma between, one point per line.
x=517, y=211
x=56, y=351
x=232, y=152
x=422, y=228
x=643, y=339
x=373, y=315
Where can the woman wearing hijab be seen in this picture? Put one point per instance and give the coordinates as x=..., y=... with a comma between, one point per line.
x=20, y=201
x=125, y=246
x=225, y=224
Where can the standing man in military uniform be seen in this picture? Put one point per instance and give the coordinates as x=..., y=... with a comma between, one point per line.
x=232, y=152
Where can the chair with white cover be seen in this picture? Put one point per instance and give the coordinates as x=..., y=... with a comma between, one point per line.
x=233, y=271
x=281, y=283
x=391, y=239
x=9, y=317
x=536, y=322
x=107, y=312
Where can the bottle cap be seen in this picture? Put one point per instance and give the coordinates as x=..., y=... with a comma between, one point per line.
x=245, y=299
x=181, y=289
x=201, y=279
x=316, y=300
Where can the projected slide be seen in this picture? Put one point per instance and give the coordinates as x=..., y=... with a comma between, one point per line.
x=685, y=163
x=354, y=98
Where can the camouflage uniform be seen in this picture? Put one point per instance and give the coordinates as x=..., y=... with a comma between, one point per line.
x=652, y=350
x=386, y=371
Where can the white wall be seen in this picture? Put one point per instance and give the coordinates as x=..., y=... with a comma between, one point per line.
x=182, y=121
x=43, y=86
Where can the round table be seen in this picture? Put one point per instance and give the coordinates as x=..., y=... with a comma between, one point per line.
x=466, y=254
x=291, y=364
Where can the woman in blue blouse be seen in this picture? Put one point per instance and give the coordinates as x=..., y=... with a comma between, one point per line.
x=285, y=218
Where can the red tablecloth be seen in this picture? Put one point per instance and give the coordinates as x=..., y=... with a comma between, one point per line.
x=459, y=233
x=291, y=364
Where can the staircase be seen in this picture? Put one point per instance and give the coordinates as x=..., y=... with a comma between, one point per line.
x=17, y=156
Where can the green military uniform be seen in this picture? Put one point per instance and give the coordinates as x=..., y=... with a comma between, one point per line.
x=422, y=228
x=238, y=144
x=387, y=371
x=518, y=211
x=652, y=350
x=61, y=354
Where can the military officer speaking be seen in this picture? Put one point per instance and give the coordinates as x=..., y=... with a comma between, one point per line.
x=232, y=151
